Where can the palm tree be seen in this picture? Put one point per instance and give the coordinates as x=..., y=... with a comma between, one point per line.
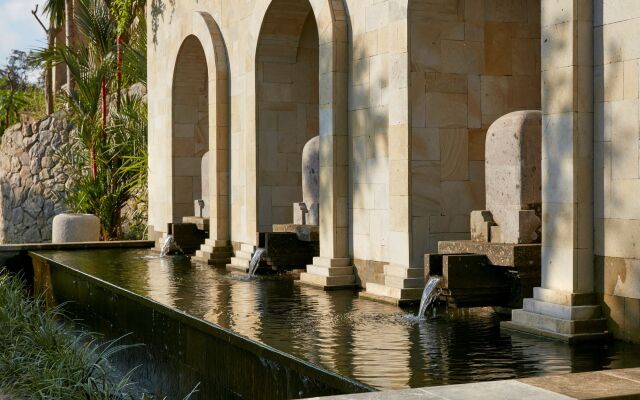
x=55, y=10
x=71, y=35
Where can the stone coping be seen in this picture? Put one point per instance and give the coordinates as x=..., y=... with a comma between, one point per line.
x=608, y=384
x=12, y=248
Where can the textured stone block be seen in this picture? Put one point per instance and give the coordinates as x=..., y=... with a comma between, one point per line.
x=481, y=223
x=71, y=228
x=513, y=177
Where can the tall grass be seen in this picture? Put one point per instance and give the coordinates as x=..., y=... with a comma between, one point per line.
x=43, y=357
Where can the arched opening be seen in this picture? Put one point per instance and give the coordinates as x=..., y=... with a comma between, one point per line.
x=190, y=130
x=287, y=77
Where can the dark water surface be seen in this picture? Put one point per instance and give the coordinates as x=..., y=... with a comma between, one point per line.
x=378, y=344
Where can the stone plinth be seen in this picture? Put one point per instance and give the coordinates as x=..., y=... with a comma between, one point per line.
x=469, y=280
x=402, y=286
x=329, y=274
x=518, y=256
x=200, y=222
x=486, y=274
x=284, y=250
x=568, y=317
x=214, y=252
x=188, y=237
x=74, y=228
x=307, y=233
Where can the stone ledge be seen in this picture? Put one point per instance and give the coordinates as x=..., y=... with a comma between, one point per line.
x=519, y=256
x=328, y=283
x=76, y=246
x=563, y=337
x=392, y=295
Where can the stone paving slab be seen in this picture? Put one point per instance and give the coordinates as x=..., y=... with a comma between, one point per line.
x=592, y=385
x=614, y=384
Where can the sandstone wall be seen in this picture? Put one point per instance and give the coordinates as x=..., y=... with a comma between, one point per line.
x=32, y=181
x=471, y=63
x=617, y=164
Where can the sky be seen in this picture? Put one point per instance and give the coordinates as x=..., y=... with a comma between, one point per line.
x=18, y=28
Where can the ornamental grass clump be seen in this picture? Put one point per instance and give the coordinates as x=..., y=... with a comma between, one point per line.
x=43, y=357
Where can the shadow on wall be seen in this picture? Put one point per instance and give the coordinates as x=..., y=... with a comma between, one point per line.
x=158, y=8
x=368, y=127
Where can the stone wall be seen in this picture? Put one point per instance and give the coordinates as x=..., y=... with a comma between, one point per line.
x=617, y=165
x=32, y=181
x=471, y=63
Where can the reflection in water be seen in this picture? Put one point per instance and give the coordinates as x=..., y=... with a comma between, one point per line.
x=376, y=343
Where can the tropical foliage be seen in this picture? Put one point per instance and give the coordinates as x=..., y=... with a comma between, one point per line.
x=104, y=55
x=107, y=150
x=17, y=94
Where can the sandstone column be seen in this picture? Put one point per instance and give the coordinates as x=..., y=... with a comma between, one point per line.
x=403, y=283
x=333, y=268
x=563, y=307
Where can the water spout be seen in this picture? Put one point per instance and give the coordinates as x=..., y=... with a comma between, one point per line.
x=169, y=246
x=429, y=294
x=255, y=261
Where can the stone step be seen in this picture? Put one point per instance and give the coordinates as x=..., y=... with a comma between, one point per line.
x=324, y=271
x=331, y=262
x=217, y=243
x=558, y=325
x=216, y=249
x=404, y=283
x=563, y=298
x=243, y=255
x=247, y=248
x=328, y=282
x=239, y=261
x=403, y=272
x=217, y=257
x=394, y=293
x=235, y=267
x=563, y=312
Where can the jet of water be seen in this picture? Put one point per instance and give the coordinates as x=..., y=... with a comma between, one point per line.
x=169, y=246
x=255, y=261
x=429, y=294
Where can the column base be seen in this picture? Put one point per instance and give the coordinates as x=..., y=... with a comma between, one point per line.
x=402, y=286
x=329, y=274
x=241, y=259
x=569, y=317
x=214, y=252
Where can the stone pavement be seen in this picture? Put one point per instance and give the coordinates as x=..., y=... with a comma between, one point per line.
x=613, y=384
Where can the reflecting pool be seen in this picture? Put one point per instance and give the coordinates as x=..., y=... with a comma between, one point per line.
x=378, y=344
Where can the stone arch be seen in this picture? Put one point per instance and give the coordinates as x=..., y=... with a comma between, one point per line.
x=279, y=38
x=203, y=43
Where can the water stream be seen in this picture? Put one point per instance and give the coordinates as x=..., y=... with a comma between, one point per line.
x=169, y=246
x=255, y=261
x=429, y=294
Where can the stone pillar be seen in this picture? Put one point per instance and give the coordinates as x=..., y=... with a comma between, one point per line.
x=333, y=268
x=403, y=282
x=564, y=307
